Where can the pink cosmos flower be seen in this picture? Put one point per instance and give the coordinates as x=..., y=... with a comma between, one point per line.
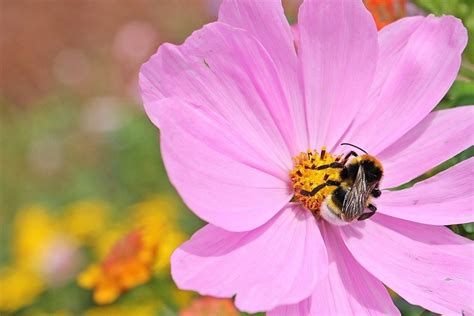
x=236, y=103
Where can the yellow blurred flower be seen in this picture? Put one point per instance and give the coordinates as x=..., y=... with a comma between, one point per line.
x=169, y=242
x=133, y=259
x=158, y=212
x=85, y=220
x=107, y=239
x=128, y=264
x=46, y=250
x=125, y=310
x=40, y=246
x=18, y=288
x=164, y=204
x=208, y=305
x=33, y=229
x=157, y=218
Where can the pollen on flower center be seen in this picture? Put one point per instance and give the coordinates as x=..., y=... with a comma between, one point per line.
x=314, y=177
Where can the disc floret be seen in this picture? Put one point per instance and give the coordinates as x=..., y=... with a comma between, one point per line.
x=315, y=176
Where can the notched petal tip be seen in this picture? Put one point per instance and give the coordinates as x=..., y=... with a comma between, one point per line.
x=459, y=36
x=419, y=61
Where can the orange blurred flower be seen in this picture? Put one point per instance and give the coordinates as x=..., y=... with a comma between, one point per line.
x=386, y=11
x=208, y=305
x=129, y=264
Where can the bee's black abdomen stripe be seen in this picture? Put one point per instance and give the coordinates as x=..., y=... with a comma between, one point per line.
x=331, y=165
x=319, y=187
x=338, y=196
x=332, y=182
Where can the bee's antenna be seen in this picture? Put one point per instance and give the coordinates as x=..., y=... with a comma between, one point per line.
x=342, y=144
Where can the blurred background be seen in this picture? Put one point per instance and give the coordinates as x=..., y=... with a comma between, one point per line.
x=88, y=218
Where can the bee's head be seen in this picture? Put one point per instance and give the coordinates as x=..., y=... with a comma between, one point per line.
x=372, y=166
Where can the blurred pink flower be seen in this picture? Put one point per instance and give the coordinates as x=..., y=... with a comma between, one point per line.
x=62, y=259
x=134, y=41
x=132, y=44
x=236, y=102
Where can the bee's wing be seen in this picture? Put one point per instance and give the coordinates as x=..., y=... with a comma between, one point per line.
x=356, y=198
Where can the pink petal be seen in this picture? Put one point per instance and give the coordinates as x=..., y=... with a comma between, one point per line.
x=444, y=199
x=440, y=136
x=226, y=70
x=266, y=21
x=418, y=61
x=338, y=53
x=224, y=177
x=296, y=35
x=277, y=263
x=348, y=288
x=427, y=265
x=302, y=308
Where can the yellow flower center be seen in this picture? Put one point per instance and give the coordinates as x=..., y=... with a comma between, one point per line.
x=314, y=177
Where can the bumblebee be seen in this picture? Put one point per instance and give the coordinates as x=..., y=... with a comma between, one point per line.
x=359, y=183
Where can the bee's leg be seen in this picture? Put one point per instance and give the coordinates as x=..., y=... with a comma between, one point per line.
x=367, y=215
x=351, y=153
x=376, y=193
x=336, y=164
